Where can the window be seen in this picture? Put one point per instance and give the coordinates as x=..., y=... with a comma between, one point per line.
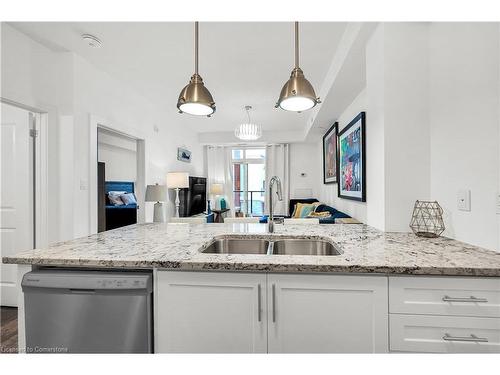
x=249, y=176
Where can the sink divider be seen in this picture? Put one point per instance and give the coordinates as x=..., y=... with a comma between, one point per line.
x=270, y=248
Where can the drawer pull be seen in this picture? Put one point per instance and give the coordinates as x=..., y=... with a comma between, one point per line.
x=471, y=338
x=467, y=299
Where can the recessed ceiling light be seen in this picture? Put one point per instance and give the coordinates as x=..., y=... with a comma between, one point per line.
x=92, y=41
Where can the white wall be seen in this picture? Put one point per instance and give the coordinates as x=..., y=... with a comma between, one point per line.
x=119, y=155
x=65, y=84
x=37, y=77
x=375, y=133
x=433, y=126
x=100, y=94
x=398, y=143
x=304, y=158
x=328, y=192
x=464, y=118
x=406, y=121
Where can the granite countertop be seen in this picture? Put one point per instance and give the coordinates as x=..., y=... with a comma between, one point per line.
x=177, y=246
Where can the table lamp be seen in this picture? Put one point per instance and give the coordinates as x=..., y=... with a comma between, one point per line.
x=157, y=193
x=216, y=189
x=177, y=181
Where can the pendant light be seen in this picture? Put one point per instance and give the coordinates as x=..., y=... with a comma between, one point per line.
x=195, y=98
x=297, y=94
x=248, y=131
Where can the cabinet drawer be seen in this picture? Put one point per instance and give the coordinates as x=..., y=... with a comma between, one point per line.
x=444, y=334
x=445, y=296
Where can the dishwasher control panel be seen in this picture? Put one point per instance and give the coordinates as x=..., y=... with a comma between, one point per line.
x=91, y=280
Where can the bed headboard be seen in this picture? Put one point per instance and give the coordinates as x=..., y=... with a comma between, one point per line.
x=119, y=186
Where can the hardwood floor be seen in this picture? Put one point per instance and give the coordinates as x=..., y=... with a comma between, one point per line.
x=8, y=329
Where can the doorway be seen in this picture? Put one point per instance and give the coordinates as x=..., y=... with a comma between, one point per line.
x=117, y=163
x=19, y=128
x=116, y=173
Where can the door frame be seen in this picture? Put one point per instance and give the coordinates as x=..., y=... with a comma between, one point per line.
x=96, y=122
x=40, y=166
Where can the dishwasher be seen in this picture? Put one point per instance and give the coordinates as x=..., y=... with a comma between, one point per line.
x=79, y=311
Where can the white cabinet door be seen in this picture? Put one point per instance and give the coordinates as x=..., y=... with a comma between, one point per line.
x=327, y=314
x=210, y=312
x=16, y=197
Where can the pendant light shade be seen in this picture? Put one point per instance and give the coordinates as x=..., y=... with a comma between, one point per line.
x=195, y=98
x=297, y=94
x=248, y=131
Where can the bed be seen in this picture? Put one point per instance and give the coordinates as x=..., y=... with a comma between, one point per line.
x=119, y=216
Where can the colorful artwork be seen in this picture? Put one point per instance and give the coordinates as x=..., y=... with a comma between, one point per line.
x=330, y=155
x=351, y=156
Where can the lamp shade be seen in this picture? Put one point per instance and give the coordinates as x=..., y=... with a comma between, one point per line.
x=156, y=193
x=177, y=180
x=216, y=189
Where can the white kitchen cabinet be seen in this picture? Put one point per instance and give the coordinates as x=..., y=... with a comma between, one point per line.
x=444, y=314
x=462, y=296
x=444, y=334
x=210, y=312
x=327, y=314
x=214, y=312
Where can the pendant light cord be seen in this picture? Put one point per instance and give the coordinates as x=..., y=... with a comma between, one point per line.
x=196, y=47
x=296, y=44
x=247, y=109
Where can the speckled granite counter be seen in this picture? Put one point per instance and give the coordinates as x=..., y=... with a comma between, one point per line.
x=177, y=246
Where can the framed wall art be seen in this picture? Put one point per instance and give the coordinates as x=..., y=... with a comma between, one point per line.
x=183, y=155
x=330, y=155
x=352, y=160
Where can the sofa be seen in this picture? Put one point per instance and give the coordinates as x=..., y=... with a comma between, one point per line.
x=335, y=214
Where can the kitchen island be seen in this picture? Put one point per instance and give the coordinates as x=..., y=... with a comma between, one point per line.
x=383, y=292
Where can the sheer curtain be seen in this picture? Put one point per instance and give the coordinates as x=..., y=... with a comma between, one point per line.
x=278, y=164
x=219, y=171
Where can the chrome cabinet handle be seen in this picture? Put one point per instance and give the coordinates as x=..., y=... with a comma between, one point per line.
x=466, y=299
x=274, y=302
x=471, y=338
x=258, y=303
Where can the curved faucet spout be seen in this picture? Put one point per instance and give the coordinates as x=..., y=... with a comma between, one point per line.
x=274, y=180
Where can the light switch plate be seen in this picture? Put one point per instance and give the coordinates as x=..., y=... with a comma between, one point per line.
x=498, y=204
x=463, y=200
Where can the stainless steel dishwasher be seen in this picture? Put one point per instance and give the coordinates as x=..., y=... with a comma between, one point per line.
x=78, y=311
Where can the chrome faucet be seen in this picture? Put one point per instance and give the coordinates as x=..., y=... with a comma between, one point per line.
x=272, y=181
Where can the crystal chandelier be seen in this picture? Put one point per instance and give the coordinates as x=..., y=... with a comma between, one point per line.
x=248, y=131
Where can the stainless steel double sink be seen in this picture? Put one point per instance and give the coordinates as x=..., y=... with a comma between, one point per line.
x=279, y=246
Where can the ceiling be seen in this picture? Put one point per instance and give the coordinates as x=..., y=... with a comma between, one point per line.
x=242, y=63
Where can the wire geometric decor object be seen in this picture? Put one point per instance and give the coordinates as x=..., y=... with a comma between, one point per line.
x=427, y=219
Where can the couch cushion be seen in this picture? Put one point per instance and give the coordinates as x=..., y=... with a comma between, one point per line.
x=293, y=202
x=336, y=214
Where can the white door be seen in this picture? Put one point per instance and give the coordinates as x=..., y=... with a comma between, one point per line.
x=16, y=194
x=327, y=314
x=210, y=312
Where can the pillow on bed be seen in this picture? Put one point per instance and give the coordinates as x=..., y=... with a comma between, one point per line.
x=128, y=198
x=112, y=192
x=115, y=199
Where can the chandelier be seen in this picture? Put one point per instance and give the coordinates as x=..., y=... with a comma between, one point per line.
x=248, y=131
